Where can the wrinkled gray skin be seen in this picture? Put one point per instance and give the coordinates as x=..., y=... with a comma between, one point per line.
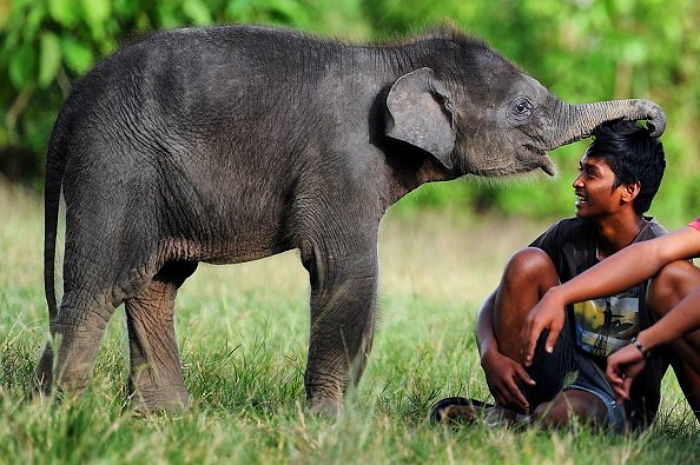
x=229, y=144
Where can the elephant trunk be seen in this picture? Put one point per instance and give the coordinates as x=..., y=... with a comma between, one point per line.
x=578, y=121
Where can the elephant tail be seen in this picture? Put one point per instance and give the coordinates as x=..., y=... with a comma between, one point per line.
x=55, y=167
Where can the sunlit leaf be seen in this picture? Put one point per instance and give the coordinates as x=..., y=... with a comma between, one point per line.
x=197, y=12
x=290, y=11
x=22, y=66
x=235, y=7
x=34, y=19
x=64, y=12
x=78, y=57
x=624, y=7
x=107, y=46
x=126, y=7
x=166, y=15
x=49, y=58
x=96, y=13
x=635, y=52
x=277, y=11
x=143, y=22
x=17, y=5
x=12, y=38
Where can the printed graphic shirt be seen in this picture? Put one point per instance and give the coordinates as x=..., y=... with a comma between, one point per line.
x=608, y=324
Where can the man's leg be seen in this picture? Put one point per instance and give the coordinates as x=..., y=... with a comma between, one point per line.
x=570, y=404
x=587, y=397
x=528, y=275
x=667, y=289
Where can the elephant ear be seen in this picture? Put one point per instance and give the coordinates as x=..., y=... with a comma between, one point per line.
x=420, y=113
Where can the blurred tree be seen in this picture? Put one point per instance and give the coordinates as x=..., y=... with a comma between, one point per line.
x=583, y=50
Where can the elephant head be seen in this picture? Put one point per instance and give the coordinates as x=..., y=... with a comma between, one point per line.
x=475, y=112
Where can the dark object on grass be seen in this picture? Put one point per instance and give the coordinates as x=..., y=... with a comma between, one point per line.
x=458, y=410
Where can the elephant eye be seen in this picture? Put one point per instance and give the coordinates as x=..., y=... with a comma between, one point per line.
x=522, y=107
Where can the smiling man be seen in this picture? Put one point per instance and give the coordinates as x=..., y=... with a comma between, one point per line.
x=619, y=176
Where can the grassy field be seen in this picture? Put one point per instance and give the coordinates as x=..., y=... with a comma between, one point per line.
x=243, y=333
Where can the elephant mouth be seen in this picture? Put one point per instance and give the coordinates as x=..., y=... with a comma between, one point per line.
x=541, y=159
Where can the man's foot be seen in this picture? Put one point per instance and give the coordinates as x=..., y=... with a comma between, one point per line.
x=467, y=411
x=458, y=410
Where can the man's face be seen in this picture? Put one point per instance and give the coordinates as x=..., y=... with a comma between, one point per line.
x=595, y=196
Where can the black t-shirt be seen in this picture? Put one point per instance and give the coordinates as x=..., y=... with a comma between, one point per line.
x=603, y=325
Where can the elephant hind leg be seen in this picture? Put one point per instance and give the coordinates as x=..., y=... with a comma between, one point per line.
x=77, y=332
x=156, y=376
x=92, y=293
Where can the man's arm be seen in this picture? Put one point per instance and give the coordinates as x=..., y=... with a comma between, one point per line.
x=502, y=372
x=629, y=266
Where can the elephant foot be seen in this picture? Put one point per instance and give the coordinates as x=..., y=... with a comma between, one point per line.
x=325, y=407
x=147, y=401
x=43, y=376
x=160, y=387
x=69, y=375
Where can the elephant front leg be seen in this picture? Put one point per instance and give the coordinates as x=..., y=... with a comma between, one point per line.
x=343, y=301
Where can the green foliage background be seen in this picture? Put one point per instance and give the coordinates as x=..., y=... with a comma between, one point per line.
x=583, y=50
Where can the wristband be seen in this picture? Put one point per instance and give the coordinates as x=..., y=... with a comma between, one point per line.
x=646, y=353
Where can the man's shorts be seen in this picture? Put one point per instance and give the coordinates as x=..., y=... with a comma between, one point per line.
x=566, y=368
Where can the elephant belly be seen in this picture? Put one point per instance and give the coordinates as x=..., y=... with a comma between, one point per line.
x=238, y=248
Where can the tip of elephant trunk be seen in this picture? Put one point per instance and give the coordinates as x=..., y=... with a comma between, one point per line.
x=656, y=128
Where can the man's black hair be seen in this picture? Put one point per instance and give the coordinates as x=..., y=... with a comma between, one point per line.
x=633, y=155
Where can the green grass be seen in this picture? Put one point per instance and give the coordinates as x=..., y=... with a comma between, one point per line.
x=243, y=333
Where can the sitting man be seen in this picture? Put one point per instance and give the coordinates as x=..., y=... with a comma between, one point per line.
x=619, y=176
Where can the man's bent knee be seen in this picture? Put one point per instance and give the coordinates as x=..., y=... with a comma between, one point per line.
x=530, y=265
x=671, y=285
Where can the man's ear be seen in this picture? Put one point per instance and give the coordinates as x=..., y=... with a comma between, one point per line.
x=420, y=113
x=631, y=191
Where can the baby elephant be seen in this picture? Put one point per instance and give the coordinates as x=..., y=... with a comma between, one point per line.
x=229, y=144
